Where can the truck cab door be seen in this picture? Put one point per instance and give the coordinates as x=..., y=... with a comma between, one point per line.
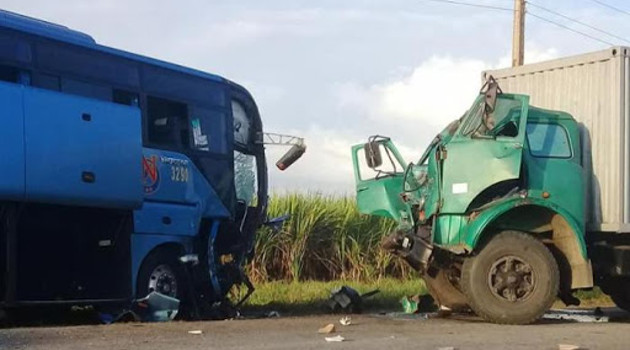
x=378, y=188
x=484, y=158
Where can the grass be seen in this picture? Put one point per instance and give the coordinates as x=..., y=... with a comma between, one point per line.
x=309, y=297
x=594, y=297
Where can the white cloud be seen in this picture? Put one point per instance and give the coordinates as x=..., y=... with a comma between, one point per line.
x=434, y=93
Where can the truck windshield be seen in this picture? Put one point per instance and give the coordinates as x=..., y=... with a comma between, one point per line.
x=502, y=121
x=448, y=131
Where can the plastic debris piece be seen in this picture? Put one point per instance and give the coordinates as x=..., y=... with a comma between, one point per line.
x=196, y=331
x=336, y=338
x=327, y=329
x=348, y=299
x=568, y=347
x=444, y=311
x=409, y=304
x=273, y=314
x=345, y=321
x=156, y=307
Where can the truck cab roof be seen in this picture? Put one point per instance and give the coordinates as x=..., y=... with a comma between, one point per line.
x=547, y=115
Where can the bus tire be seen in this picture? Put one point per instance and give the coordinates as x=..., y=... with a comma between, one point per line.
x=514, y=279
x=162, y=272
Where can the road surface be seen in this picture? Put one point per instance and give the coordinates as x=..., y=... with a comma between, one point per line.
x=386, y=332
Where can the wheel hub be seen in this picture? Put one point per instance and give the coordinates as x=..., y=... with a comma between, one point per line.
x=511, y=278
x=163, y=281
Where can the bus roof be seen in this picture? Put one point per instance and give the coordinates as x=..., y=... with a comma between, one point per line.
x=61, y=33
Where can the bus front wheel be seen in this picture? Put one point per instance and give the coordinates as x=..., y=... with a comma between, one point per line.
x=163, y=273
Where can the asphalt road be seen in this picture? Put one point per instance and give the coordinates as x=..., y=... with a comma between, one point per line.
x=365, y=332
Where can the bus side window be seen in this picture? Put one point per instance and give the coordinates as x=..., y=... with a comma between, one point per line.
x=81, y=88
x=9, y=74
x=167, y=123
x=125, y=97
x=47, y=81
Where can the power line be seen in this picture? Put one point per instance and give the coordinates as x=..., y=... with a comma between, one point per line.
x=569, y=28
x=611, y=7
x=576, y=21
x=452, y=2
x=490, y=7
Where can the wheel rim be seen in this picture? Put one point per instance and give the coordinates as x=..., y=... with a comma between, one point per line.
x=511, y=278
x=162, y=280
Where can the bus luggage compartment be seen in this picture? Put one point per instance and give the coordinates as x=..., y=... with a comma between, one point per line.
x=81, y=151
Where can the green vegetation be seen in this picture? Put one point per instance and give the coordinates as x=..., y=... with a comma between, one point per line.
x=325, y=239
x=310, y=296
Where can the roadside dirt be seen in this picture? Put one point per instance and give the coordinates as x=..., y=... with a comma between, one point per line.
x=366, y=332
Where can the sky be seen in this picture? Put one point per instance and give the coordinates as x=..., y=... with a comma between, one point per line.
x=338, y=71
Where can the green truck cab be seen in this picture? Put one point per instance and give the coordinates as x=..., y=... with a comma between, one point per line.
x=492, y=215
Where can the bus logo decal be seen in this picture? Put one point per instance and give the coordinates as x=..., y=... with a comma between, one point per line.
x=150, y=174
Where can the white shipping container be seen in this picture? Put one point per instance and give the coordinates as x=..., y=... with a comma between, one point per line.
x=594, y=88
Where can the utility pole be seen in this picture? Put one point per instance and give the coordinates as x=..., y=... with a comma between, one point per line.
x=518, y=34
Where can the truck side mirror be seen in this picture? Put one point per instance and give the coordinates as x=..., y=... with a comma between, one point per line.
x=373, y=154
x=292, y=155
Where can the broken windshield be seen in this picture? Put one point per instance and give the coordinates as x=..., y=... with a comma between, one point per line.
x=503, y=120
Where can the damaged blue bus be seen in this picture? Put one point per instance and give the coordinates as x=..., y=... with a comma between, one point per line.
x=122, y=175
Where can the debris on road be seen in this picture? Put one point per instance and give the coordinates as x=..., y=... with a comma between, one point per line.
x=569, y=347
x=447, y=348
x=410, y=304
x=348, y=299
x=156, y=307
x=406, y=316
x=337, y=338
x=418, y=303
x=345, y=321
x=273, y=314
x=582, y=316
x=197, y=331
x=327, y=329
x=444, y=311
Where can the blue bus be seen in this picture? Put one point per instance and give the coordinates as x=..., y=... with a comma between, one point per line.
x=116, y=168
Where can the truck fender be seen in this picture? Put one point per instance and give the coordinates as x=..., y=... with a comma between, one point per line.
x=567, y=234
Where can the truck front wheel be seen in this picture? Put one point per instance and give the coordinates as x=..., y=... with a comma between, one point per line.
x=513, y=280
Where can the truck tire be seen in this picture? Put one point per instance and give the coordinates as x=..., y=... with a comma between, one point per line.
x=513, y=280
x=162, y=272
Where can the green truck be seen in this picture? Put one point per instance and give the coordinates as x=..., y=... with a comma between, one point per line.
x=506, y=211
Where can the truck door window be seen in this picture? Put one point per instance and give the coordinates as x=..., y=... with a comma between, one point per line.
x=390, y=166
x=167, y=123
x=548, y=141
